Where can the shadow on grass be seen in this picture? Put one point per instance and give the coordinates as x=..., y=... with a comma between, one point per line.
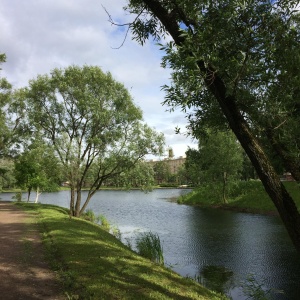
x=95, y=265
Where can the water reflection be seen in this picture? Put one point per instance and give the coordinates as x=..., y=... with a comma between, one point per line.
x=216, y=278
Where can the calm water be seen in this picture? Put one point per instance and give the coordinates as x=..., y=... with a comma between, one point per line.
x=203, y=243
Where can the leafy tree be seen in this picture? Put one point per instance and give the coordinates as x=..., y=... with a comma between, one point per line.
x=37, y=168
x=193, y=166
x=91, y=121
x=183, y=176
x=162, y=171
x=7, y=178
x=140, y=176
x=5, y=122
x=219, y=159
x=236, y=64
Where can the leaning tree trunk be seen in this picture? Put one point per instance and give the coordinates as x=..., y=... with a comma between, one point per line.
x=78, y=203
x=228, y=104
x=284, y=203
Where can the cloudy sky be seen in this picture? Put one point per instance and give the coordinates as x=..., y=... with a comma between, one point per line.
x=39, y=35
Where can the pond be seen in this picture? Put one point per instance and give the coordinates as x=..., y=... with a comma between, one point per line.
x=226, y=251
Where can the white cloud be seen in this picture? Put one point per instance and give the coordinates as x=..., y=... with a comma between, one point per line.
x=39, y=35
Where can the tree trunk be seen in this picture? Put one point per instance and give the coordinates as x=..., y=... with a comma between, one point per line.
x=78, y=202
x=224, y=187
x=85, y=204
x=72, y=201
x=37, y=195
x=28, y=194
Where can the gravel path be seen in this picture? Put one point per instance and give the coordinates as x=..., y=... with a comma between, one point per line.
x=24, y=274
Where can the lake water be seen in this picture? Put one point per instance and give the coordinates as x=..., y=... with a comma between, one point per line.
x=222, y=249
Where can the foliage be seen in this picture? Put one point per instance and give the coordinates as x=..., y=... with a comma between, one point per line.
x=6, y=123
x=38, y=168
x=235, y=65
x=242, y=45
x=148, y=245
x=248, y=196
x=93, y=264
x=89, y=215
x=139, y=176
x=92, y=123
x=7, y=179
x=104, y=223
x=17, y=196
x=219, y=159
x=162, y=171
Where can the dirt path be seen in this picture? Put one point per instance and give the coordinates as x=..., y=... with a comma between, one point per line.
x=24, y=274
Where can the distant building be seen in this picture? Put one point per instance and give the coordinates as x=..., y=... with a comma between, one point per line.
x=174, y=164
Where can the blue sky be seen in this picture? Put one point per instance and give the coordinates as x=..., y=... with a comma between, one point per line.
x=39, y=35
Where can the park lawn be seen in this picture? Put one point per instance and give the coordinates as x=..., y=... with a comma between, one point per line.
x=245, y=196
x=93, y=264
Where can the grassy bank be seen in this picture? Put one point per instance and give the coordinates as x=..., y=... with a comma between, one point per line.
x=93, y=264
x=247, y=196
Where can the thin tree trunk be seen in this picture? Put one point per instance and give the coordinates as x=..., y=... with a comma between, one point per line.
x=224, y=187
x=37, y=195
x=85, y=204
x=78, y=203
x=28, y=194
x=72, y=201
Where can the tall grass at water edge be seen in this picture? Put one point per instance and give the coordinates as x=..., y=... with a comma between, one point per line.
x=149, y=246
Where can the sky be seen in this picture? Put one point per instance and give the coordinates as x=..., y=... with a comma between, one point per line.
x=40, y=35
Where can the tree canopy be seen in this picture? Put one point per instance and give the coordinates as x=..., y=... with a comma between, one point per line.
x=235, y=64
x=5, y=129
x=219, y=159
x=92, y=123
x=38, y=168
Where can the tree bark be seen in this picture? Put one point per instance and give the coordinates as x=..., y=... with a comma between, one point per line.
x=72, y=201
x=282, y=200
x=78, y=202
x=37, y=195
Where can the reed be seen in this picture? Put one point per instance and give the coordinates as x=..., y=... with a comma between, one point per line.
x=104, y=223
x=149, y=246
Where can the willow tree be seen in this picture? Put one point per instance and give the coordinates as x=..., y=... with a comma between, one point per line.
x=92, y=123
x=235, y=63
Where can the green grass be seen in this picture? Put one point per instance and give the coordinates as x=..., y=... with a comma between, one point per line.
x=148, y=245
x=248, y=196
x=95, y=265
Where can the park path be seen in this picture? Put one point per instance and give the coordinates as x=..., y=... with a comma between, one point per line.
x=24, y=274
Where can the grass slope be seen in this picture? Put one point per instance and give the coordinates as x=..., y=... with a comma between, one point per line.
x=247, y=196
x=95, y=265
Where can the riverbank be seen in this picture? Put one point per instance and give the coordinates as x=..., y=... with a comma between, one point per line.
x=92, y=264
x=244, y=196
